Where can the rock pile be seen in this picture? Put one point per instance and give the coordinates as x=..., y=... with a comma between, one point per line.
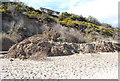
x=36, y=47
x=100, y=46
x=103, y=46
x=87, y=48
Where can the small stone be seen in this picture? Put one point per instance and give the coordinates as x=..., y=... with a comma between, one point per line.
x=11, y=60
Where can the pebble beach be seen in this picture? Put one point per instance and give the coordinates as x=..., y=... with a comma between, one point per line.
x=77, y=66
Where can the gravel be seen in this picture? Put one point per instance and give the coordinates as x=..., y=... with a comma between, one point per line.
x=77, y=66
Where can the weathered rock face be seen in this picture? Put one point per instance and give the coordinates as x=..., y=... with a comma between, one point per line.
x=36, y=47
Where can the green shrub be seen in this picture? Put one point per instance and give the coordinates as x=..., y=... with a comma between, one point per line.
x=63, y=16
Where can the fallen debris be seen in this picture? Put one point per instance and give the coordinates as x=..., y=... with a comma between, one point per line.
x=36, y=47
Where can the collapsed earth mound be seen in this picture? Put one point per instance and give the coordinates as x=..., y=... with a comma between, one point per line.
x=36, y=47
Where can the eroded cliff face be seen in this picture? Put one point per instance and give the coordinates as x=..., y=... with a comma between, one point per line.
x=21, y=24
x=17, y=27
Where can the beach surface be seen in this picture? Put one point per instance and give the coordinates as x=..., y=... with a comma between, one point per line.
x=77, y=66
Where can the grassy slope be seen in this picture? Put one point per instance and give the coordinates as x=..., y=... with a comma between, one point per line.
x=81, y=23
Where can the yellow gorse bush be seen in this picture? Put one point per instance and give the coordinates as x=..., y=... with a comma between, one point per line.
x=3, y=10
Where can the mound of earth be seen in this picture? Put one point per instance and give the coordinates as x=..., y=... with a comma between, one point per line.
x=100, y=46
x=36, y=47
